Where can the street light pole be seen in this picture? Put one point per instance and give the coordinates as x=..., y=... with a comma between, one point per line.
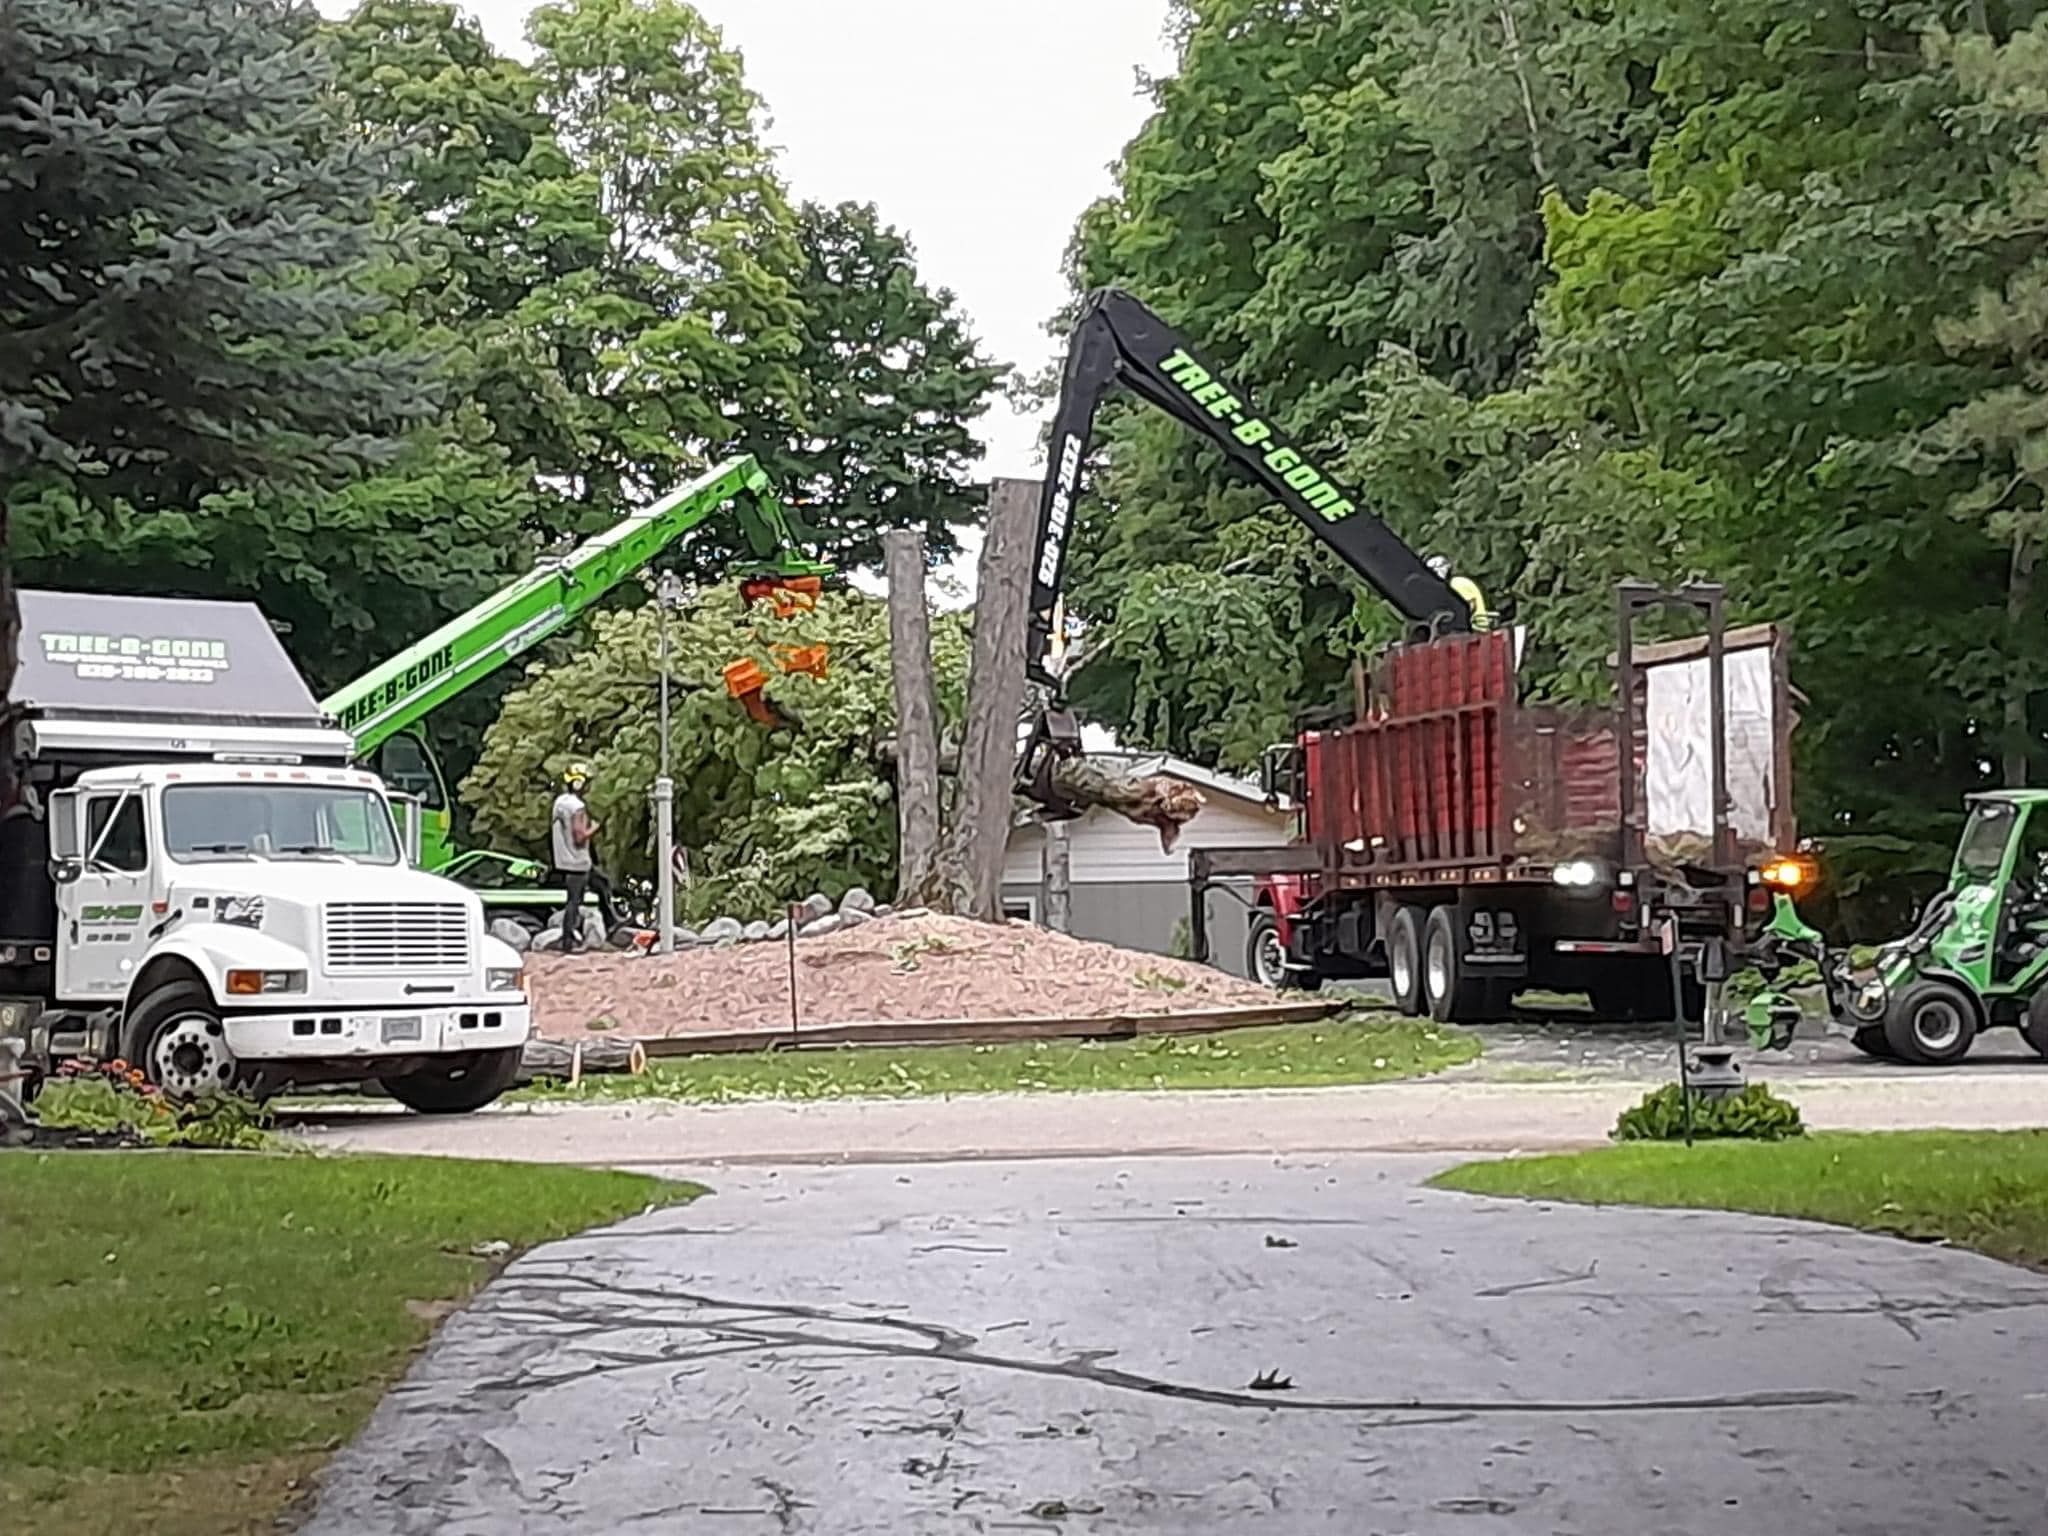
x=668, y=594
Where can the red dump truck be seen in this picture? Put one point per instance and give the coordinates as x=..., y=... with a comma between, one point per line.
x=1468, y=845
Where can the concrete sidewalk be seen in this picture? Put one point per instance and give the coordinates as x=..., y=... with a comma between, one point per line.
x=1436, y=1115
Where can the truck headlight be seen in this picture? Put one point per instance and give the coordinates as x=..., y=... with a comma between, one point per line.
x=255, y=983
x=509, y=978
x=1577, y=874
x=242, y=911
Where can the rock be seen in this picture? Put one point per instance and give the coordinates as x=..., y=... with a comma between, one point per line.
x=548, y=938
x=815, y=906
x=754, y=932
x=518, y=935
x=915, y=912
x=722, y=930
x=779, y=929
x=853, y=917
x=857, y=900
x=818, y=927
x=885, y=910
x=686, y=936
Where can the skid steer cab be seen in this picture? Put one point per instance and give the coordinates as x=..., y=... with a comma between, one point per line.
x=1978, y=957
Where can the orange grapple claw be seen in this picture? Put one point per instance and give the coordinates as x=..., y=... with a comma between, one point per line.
x=744, y=677
x=808, y=659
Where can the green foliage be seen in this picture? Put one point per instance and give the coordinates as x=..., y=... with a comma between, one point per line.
x=114, y=1100
x=1754, y=1114
x=1986, y=1190
x=393, y=311
x=768, y=813
x=895, y=380
x=1572, y=294
x=187, y=243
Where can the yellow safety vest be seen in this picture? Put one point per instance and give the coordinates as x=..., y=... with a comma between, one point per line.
x=1468, y=589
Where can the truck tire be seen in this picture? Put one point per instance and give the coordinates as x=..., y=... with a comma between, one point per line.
x=1871, y=1041
x=1931, y=1023
x=467, y=1082
x=1451, y=995
x=175, y=1035
x=1265, y=958
x=2034, y=1023
x=1404, y=960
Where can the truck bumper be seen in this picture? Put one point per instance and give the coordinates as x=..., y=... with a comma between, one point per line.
x=373, y=1032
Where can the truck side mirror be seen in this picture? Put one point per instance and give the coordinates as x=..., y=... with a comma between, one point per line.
x=1279, y=772
x=65, y=871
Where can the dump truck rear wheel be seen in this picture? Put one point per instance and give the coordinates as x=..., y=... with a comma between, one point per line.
x=1404, y=960
x=1451, y=995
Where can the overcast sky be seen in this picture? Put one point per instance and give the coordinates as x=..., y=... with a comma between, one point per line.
x=981, y=128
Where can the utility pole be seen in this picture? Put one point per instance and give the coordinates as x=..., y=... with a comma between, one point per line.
x=917, y=740
x=995, y=701
x=668, y=595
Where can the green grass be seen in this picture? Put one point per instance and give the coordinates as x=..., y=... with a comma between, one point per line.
x=186, y=1335
x=1986, y=1190
x=1363, y=1048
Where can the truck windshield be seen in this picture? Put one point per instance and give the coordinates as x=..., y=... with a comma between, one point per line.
x=1982, y=850
x=278, y=821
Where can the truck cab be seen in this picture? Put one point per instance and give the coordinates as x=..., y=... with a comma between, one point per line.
x=193, y=877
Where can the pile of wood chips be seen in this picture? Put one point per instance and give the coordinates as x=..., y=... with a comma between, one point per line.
x=923, y=967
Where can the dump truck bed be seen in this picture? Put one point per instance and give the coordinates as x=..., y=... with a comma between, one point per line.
x=1449, y=773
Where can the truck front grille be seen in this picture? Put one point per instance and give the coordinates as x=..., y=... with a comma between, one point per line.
x=393, y=937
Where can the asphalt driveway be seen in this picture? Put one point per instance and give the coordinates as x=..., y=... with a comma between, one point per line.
x=1230, y=1345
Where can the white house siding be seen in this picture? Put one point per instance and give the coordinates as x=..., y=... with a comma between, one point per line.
x=1126, y=891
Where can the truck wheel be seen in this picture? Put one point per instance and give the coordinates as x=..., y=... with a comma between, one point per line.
x=2034, y=1025
x=466, y=1082
x=1870, y=1040
x=1404, y=960
x=1265, y=959
x=176, y=1037
x=1931, y=1023
x=1451, y=996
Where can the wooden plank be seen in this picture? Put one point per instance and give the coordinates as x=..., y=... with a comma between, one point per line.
x=612, y=1053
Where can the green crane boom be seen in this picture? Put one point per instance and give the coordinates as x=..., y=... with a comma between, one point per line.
x=402, y=691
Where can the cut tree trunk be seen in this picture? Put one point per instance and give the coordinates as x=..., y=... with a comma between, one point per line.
x=1166, y=804
x=916, y=744
x=973, y=861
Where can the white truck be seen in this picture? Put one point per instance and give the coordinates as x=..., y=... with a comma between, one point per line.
x=193, y=877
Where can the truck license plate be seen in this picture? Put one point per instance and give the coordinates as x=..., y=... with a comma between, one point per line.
x=396, y=1030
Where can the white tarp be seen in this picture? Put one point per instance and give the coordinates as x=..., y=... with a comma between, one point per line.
x=1678, y=761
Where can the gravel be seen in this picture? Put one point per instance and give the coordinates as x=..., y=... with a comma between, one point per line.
x=925, y=967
